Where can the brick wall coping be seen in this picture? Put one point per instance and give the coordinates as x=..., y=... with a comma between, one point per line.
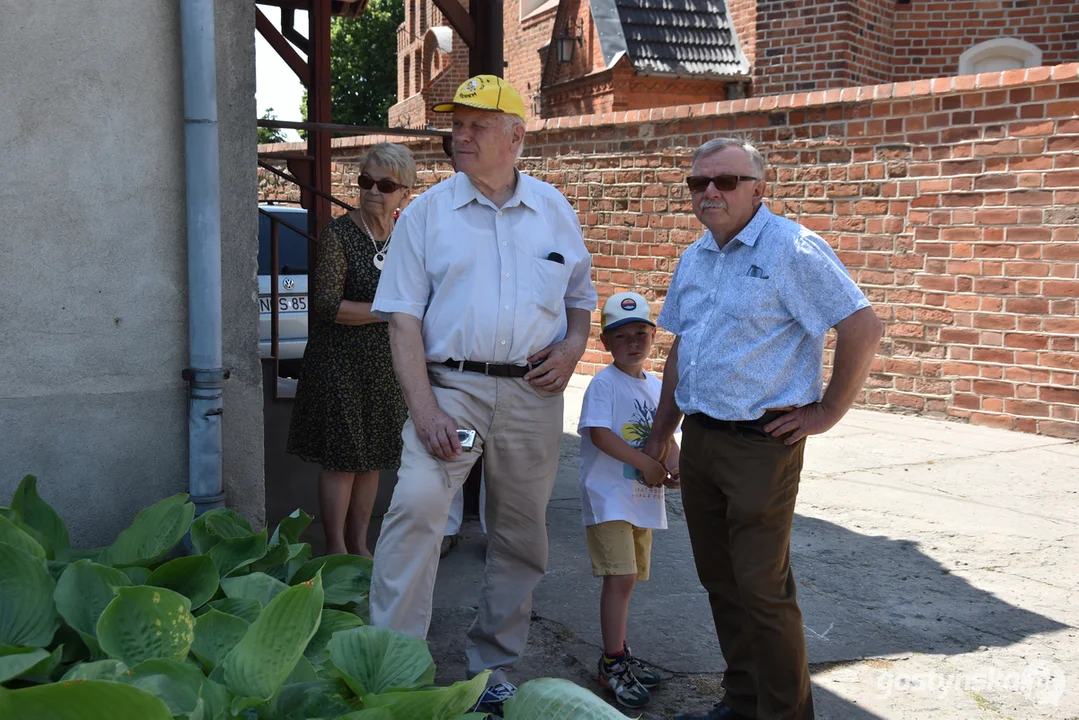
x=766, y=103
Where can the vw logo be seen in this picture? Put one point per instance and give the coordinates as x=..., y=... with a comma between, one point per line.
x=289, y=283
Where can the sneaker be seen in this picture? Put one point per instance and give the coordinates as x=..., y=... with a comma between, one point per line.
x=645, y=674
x=493, y=697
x=627, y=689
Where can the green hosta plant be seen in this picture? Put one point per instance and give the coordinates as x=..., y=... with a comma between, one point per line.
x=248, y=627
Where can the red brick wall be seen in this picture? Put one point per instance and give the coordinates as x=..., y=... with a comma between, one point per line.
x=523, y=50
x=744, y=16
x=801, y=46
x=931, y=35
x=425, y=88
x=953, y=202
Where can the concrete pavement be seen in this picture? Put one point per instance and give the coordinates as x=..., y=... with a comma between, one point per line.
x=936, y=564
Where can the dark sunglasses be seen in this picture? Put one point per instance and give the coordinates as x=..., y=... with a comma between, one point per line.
x=724, y=183
x=385, y=185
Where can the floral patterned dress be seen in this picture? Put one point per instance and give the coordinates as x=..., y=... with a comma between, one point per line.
x=349, y=409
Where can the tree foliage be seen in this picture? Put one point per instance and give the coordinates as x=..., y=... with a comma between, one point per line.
x=270, y=135
x=363, y=64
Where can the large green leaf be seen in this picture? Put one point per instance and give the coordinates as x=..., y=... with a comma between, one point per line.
x=146, y=622
x=376, y=660
x=216, y=634
x=90, y=700
x=244, y=608
x=82, y=594
x=194, y=577
x=44, y=670
x=275, y=642
x=332, y=621
x=38, y=514
x=99, y=670
x=14, y=661
x=371, y=714
x=216, y=525
x=12, y=534
x=255, y=586
x=347, y=578
x=445, y=703
x=180, y=685
x=556, y=699
x=321, y=699
x=27, y=611
x=231, y=555
x=290, y=529
x=153, y=533
x=137, y=575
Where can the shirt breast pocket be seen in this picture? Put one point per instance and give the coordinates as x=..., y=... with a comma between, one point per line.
x=549, y=281
x=753, y=299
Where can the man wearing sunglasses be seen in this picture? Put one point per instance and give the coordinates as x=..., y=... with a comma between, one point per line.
x=750, y=304
x=488, y=292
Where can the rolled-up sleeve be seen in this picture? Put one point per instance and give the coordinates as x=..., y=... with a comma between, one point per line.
x=403, y=287
x=816, y=288
x=580, y=291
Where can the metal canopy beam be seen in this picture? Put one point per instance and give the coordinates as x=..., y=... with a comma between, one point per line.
x=282, y=47
x=459, y=19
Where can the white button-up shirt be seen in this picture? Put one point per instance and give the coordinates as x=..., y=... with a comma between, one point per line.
x=486, y=281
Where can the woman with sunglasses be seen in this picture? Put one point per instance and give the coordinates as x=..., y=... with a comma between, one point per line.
x=349, y=409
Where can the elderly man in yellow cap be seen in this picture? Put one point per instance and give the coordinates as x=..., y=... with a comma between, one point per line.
x=488, y=294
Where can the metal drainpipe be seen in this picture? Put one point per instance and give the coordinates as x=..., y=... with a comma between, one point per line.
x=205, y=376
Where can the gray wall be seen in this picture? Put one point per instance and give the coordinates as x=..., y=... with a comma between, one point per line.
x=93, y=274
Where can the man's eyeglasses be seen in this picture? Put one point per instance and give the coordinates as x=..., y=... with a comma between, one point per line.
x=724, y=183
x=385, y=185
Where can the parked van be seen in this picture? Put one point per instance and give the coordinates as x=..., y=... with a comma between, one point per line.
x=291, y=286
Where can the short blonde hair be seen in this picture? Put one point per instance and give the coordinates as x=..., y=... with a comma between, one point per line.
x=396, y=158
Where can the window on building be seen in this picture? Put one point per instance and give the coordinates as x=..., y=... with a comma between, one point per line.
x=423, y=16
x=999, y=54
x=535, y=7
x=406, y=83
x=411, y=20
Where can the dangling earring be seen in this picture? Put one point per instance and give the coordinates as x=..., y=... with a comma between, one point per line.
x=397, y=213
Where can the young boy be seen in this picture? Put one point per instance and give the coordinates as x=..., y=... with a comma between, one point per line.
x=621, y=487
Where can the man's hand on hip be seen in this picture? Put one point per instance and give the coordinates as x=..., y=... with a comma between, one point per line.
x=438, y=431
x=801, y=422
x=554, y=366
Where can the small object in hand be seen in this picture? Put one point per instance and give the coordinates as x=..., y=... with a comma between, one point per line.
x=467, y=438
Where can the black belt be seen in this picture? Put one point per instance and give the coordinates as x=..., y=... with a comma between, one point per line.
x=755, y=426
x=486, y=368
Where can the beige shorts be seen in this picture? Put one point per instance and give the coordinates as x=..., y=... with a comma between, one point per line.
x=619, y=548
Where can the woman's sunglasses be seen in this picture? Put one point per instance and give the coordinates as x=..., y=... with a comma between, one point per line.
x=385, y=185
x=723, y=183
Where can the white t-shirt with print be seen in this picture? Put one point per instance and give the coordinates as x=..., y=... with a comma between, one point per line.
x=610, y=489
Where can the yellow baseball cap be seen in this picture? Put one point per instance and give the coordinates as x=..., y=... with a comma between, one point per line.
x=486, y=92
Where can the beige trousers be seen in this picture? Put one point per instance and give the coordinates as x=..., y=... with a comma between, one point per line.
x=518, y=431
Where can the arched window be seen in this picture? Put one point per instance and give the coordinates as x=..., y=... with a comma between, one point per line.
x=999, y=54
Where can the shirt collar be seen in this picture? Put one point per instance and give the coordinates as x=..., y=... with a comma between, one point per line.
x=749, y=234
x=465, y=192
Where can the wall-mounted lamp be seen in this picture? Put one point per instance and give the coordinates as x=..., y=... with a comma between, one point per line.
x=565, y=44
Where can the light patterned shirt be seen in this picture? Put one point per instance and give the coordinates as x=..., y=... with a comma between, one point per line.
x=480, y=277
x=752, y=318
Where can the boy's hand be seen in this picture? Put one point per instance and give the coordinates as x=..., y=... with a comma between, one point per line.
x=673, y=482
x=653, y=474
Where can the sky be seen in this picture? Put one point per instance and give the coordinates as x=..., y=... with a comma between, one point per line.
x=276, y=86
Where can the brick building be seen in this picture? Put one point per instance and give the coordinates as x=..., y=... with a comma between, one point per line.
x=622, y=55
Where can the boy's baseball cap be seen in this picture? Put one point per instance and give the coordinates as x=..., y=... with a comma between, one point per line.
x=486, y=92
x=624, y=308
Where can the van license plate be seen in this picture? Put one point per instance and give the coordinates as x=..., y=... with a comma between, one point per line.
x=285, y=303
